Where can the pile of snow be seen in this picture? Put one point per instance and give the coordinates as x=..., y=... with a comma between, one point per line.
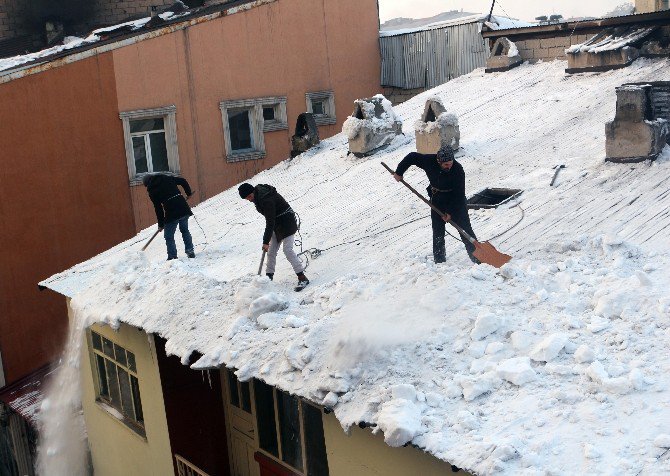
x=556, y=363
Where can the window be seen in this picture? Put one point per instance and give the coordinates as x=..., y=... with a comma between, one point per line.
x=245, y=121
x=151, y=142
x=240, y=395
x=117, y=382
x=290, y=430
x=322, y=105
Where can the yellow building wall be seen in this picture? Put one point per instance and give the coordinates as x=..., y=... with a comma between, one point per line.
x=115, y=448
x=364, y=454
x=646, y=6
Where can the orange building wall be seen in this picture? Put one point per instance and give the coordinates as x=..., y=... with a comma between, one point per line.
x=284, y=48
x=64, y=199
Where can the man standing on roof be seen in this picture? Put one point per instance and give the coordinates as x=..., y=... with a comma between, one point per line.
x=280, y=227
x=172, y=211
x=446, y=192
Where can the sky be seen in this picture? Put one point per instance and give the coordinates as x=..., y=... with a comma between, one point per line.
x=521, y=9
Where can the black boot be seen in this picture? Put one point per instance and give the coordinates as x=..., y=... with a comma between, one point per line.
x=270, y=275
x=302, y=282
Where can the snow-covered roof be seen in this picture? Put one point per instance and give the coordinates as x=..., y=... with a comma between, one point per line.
x=555, y=364
x=496, y=22
x=610, y=41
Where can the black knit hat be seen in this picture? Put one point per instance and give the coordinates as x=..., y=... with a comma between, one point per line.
x=245, y=190
x=445, y=154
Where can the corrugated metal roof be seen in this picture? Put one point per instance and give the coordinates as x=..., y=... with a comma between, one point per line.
x=25, y=396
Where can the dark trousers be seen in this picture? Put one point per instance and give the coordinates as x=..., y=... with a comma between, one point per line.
x=462, y=219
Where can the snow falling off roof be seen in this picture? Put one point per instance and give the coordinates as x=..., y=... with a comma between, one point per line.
x=556, y=363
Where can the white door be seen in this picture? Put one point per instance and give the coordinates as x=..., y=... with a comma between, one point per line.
x=241, y=427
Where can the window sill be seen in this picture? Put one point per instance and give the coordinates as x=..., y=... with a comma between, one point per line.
x=245, y=156
x=136, y=429
x=325, y=120
x=270, y=126
x=138, y=178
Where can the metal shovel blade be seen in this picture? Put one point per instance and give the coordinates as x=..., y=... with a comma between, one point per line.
x=486, y=253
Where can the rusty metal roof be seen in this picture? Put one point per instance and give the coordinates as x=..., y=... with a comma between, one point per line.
x=25, y=396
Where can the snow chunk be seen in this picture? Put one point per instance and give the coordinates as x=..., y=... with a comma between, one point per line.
x=597, y=372
x=486, y=324
x=583, y=354
x=548, y=349
x=404, y=391
x=662, y=441
x=270, y=302
x=516, y=370
x=591, y=452
x=400, y=420
x=474, y=387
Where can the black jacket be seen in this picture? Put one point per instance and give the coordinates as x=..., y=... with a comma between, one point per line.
x=450, y=185
x=279, y=218
x=169, y=203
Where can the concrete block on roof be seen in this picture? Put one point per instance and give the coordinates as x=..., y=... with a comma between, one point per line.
x=634, y=135
x=504, y=56
x=372, y=126
x=435, y=128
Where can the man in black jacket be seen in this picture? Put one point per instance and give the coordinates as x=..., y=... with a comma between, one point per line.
x=446, y=192
x=171, y=208
x=280, y=226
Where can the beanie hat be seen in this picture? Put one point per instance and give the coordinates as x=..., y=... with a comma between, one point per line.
x=445, y=154
x=245, y=190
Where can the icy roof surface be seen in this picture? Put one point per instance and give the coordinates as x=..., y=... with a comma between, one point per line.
x=496, y=23
x=555, y=364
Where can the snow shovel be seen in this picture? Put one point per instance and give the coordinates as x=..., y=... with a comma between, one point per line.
x=260, y=267
x=485, y=252
x=151, y=239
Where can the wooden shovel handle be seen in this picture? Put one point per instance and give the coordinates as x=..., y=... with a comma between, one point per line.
x=151, y=239
x=437, y=210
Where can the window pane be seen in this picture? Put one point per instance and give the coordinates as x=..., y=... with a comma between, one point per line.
x=113, y=383
x=159, y=156
x=126, y=394
x=245, y=396
x=140, y=155
x=232, y=384
x=144, y=125
x=289, y=429
x=96, y=340
x=317, y=107
x=131, y=361
x=265, y=417
x=240, y=129
x=268, y=113
x=108, y=347
x=120, y=355
x=315, y=443
x=139, y=415
x=102, y=376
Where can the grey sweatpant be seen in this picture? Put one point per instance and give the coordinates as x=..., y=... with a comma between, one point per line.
x=291, y=256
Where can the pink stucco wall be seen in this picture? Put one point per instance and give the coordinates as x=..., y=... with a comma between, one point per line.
x=283, y=48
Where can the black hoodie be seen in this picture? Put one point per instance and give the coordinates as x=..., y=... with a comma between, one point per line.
x=279, y=217
x=169, y=203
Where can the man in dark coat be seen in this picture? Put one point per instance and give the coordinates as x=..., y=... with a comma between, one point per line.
x=446, y=192
x=280, y=227
x=172, y=211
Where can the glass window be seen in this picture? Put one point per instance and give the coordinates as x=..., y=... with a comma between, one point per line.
x=234, y=393
x=240, y=129
x=315, y=442
x=245, y=395
x=289, y=429
x=265, y=417
x=159, y=157
x=140, y=155
x=117, y=386
x=146, y=125
x=269, y=113
x=318, y=107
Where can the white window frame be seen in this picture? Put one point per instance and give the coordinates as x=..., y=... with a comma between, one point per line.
x=104, y=402
x=257, y=125
x=328, y=99
x=168, y=114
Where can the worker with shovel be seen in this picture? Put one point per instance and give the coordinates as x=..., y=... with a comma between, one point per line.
x=446, y=192
x=171, y=208
x=280, y=228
